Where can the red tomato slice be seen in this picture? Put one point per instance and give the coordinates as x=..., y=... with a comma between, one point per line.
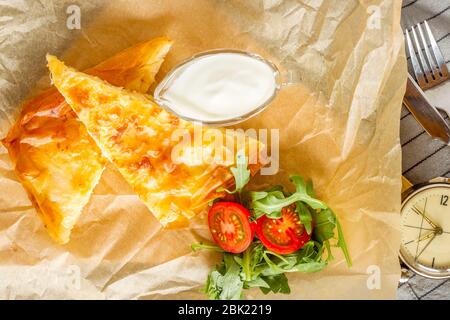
x=230, y=226
x=284, y=235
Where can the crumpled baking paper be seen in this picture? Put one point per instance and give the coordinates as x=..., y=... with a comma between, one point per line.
x=339, y=126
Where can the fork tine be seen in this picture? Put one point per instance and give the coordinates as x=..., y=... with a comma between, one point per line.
x=431, y=62
x=416, y=66
x=423, y=62
x=437, y=52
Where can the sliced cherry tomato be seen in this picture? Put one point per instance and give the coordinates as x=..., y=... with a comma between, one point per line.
x=283, y=235
x=230, y=226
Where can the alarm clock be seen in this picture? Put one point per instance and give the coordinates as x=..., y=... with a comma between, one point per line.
x=425, y=228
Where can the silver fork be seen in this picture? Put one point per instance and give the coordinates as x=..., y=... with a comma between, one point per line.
x=430, y=69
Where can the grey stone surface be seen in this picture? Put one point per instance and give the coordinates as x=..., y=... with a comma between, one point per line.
x=440, y=293
x=405, y=293
x=423, y=286
x=420, y=288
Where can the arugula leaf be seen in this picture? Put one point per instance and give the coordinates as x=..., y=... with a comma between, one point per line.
x=271, y=202
x=276, y=187
x=325, y=223
x=329, y=253
x=231, y=282
x=299, y=182
x=342, y=244
x=304, y=215
x=277, y=284
x=212, y=288
x=258, y=267
x=257, y=283
x=308, y=259
x=257, y=195
x=306, y=192
x=310, y=210
x=224, y=282
x=310, y=188
x=201, y=246
x=249, y=260
x=241, y=174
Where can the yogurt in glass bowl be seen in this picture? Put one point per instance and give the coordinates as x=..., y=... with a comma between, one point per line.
x=219, y=87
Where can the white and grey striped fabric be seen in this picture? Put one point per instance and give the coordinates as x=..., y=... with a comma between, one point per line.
x=423, y=157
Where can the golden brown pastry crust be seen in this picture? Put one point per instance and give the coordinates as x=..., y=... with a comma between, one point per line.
x=55, y=158
x=137, y=136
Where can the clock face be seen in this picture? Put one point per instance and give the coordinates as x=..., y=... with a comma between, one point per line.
x=425, y=228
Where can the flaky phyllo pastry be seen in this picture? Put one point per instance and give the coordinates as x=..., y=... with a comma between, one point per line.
x=150, y=146
x=56, y=160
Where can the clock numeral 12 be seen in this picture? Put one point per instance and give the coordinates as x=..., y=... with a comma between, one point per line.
x=444, y=200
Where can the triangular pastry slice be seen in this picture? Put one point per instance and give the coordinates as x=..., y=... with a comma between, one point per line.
x=55, y=158
x=150, y=146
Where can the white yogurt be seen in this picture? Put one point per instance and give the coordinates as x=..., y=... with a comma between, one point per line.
x=218, y=87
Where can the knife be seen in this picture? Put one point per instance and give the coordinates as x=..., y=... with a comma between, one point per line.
x=427, y=115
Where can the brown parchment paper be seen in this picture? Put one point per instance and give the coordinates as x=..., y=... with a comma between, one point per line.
x=340, y=127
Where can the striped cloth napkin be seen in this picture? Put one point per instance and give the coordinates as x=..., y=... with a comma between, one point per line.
x=423, y=157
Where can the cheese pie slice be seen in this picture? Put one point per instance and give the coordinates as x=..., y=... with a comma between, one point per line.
x=55, y=158
x=174, y=166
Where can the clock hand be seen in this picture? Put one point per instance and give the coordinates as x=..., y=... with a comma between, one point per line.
x=415, y=227
x=420, y=213
x=426, y=229
x=426, y=246
x=424, y=237
x=421, y=225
